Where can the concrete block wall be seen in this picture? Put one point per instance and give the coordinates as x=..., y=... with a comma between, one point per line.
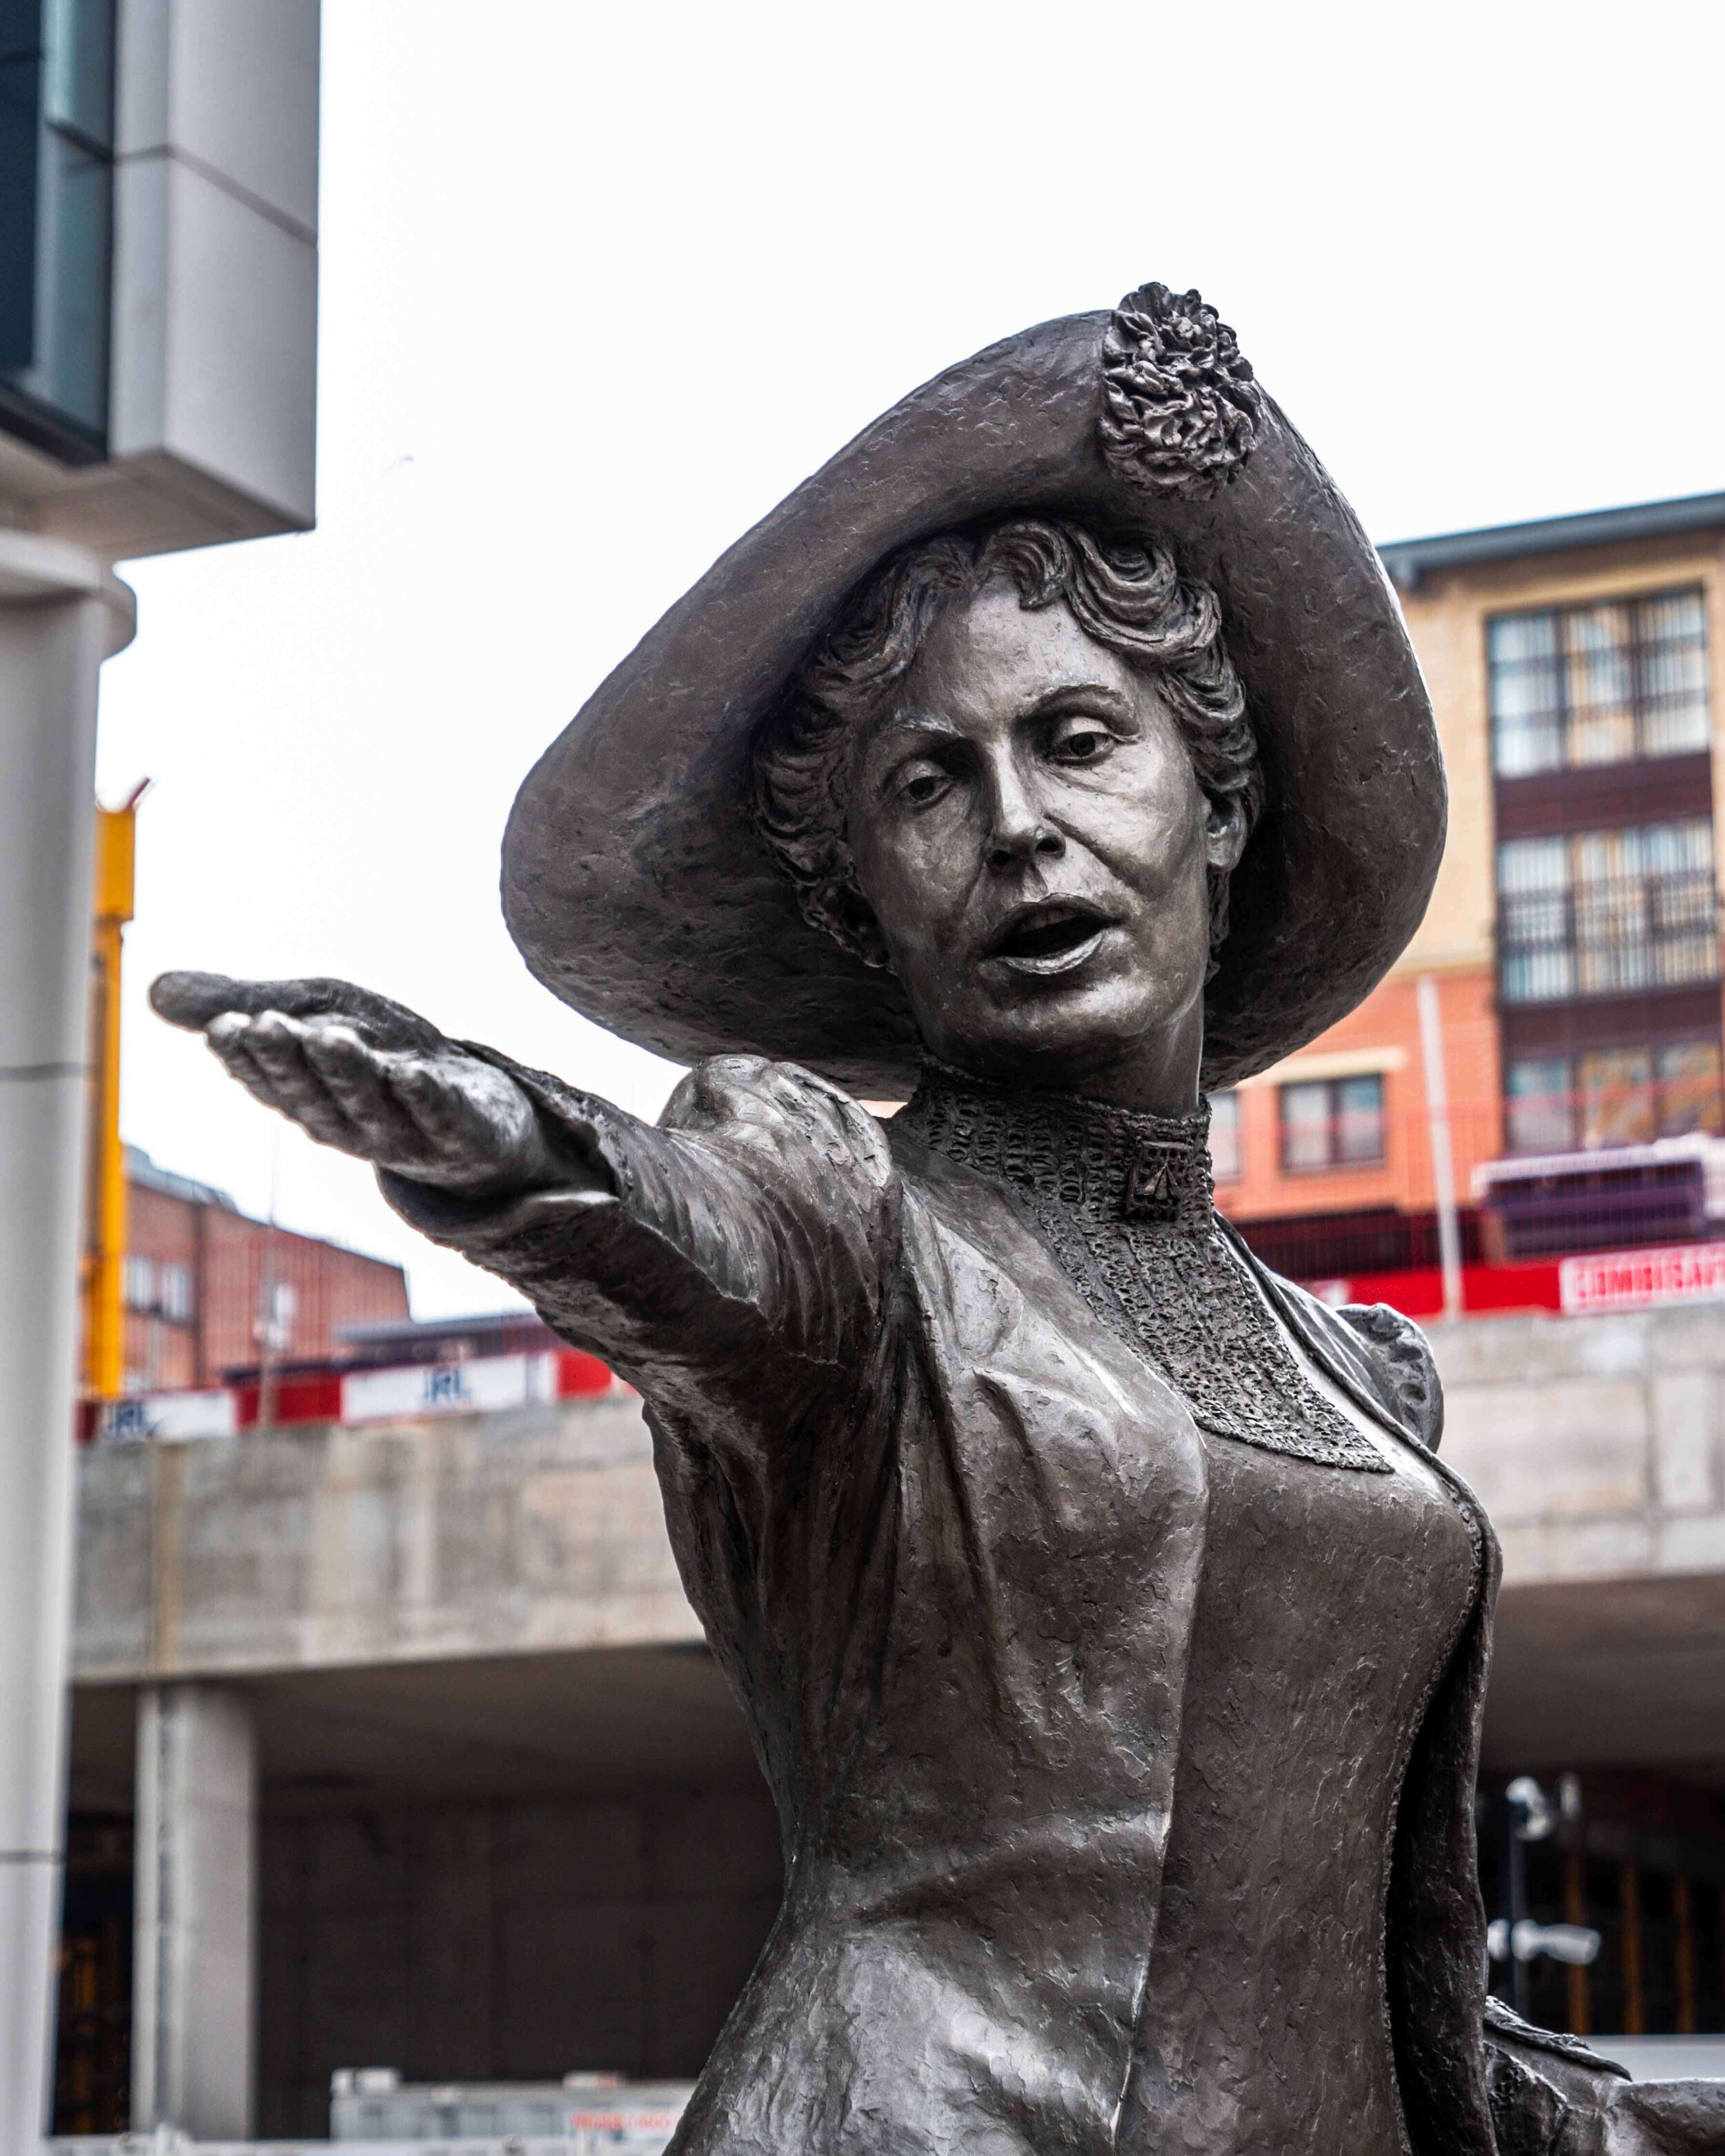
x=1597, y=1444
x=325, y=1547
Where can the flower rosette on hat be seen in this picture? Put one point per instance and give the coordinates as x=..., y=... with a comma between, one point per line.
x=1180, y=410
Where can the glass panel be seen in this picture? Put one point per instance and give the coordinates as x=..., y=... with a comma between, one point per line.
x=1534, y=923
x=176, y=1292
x=1306, y=1126
x=1602, y=723
x=78, y=93
x=1515, y=640
x=20, y=155
x=55, y=280
x=137, y=1277
x=71, y=371
x=1671, y=632
x=1541, y=1109
x=1534, y=864
x=1617, y=1106
x=1682, y=903
x=1527, y=694
x=1225, y=1136
x=1689, y=1089
x=1612, y=953
x=1598, y=685
x=1359, y=1120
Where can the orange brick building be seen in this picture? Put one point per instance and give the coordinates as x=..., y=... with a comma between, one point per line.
x=1572, y=944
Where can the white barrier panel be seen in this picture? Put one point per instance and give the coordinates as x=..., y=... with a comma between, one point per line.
x=481, y=1386
x=165, y=2141
x=642, y=2128
x=1637, y=1280
x=171, y=1415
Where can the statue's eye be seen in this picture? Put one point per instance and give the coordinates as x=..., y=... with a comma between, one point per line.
x=921, y=783
x=1081, y=740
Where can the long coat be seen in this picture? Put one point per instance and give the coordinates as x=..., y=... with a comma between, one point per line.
x=945, y=1532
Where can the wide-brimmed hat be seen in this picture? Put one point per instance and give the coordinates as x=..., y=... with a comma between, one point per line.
x=635, y=881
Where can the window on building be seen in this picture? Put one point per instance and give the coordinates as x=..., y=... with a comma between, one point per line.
x=174, y=1293
x=1602, y=684
x=137, y=1283
x=57, y=189
x=1225, y=1136
x=1611, y=1096
x=1607, y=912
x=1331, y=1122
x=1539, y=1104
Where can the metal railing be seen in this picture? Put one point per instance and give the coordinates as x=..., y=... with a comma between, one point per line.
x=1614, y=937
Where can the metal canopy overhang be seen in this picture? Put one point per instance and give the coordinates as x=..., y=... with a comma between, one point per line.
x=1409, y=560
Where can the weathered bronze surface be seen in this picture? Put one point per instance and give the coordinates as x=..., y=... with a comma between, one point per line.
x=1111, y=1635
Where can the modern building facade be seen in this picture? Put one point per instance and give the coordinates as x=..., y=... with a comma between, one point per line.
x=1571, y=951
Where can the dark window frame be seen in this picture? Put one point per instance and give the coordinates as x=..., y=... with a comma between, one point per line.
x=1666, y=1095
x=1667, y=919
x=1335, y=1162
x=1641, y=698
x=57, y=157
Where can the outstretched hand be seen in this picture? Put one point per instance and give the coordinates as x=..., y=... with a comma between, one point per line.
x=365, y=1074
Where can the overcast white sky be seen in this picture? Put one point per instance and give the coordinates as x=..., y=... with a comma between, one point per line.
x=601, y=284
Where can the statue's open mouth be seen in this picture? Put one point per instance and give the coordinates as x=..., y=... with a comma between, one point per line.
x=1048, y=937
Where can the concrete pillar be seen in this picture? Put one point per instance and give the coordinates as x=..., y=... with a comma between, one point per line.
x=194, y=1956
x=61, y=614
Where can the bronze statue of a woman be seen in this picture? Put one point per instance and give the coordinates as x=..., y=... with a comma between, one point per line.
x=1109, y=1630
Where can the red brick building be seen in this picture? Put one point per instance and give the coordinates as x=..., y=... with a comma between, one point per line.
x=204, y=1282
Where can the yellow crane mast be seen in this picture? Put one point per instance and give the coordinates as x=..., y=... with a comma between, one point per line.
x=105, y=1238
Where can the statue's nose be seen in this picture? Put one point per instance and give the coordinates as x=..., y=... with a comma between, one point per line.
x=1009, y=848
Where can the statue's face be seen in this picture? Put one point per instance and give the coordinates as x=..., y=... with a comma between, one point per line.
x=1031, y=838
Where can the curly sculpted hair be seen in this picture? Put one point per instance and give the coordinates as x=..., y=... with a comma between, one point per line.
x=1129, y=597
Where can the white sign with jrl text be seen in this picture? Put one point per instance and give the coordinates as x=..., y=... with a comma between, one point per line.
x=481, y=1386
x=1639, y=1279
x=170, y=1415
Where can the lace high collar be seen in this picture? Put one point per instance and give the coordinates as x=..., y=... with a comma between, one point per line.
x=1123, y=1200
x=1106, y=1163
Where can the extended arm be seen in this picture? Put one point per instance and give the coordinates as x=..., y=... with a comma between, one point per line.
x=754, y=1225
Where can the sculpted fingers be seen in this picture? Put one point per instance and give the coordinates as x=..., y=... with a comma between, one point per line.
x=266, y=1054
x=361, y=1081
x=226, y=1036
x=438, y=1115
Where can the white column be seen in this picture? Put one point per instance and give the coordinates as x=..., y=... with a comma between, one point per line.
x=1443, y=1157
x=61, y=614
x=194, y=1960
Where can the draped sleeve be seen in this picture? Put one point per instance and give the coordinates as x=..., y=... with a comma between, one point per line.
x=737, y=1254
x=1551, y=2096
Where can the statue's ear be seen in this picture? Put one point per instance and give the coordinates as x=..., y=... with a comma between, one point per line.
x=848, y=917
x=1224, y=831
